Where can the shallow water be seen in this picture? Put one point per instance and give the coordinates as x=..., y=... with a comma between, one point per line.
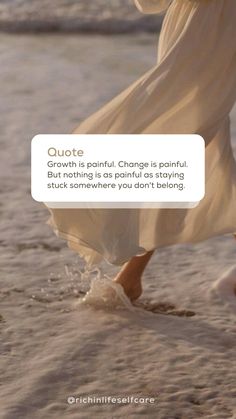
x=83, y=15
x=49, y=84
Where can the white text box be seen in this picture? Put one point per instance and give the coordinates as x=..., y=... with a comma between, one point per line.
x=118, y=170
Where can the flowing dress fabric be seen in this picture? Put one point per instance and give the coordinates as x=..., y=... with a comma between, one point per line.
x=191, y=90
x=152, y=6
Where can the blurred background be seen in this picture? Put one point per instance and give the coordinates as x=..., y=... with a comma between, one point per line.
x=74, y=15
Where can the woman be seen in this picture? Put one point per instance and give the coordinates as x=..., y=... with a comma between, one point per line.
x=191, y=90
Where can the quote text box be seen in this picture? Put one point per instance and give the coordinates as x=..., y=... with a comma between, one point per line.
x=118, y=170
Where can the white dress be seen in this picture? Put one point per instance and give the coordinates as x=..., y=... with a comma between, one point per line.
x=191, y=90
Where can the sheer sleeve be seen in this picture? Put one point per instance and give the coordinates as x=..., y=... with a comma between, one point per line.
x=152, y=6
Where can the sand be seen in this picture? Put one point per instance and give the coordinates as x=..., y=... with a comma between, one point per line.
x=51, y=346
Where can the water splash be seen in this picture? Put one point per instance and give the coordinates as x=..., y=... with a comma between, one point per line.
x=89, y=285
x=105, y=293
x=100, y=290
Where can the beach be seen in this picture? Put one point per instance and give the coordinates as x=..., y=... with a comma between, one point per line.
x=51, y=346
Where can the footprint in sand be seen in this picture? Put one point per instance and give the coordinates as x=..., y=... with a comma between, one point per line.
x=104, y=293
x=164, y=308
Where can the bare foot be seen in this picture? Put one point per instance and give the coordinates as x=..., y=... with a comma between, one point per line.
x=132, y=287
x=130, y=275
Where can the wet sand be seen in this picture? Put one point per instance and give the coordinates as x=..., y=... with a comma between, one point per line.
x=50, y=347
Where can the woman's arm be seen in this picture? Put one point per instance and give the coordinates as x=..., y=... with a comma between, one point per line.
x=152, y=6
